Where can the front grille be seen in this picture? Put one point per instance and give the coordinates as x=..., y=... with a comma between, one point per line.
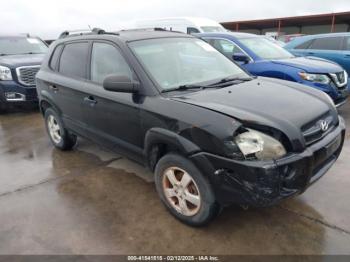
x=340, y=79
x=26, y=74
x=313, y=131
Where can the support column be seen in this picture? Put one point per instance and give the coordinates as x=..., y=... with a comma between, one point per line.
x=333, y=24
x=279, y=27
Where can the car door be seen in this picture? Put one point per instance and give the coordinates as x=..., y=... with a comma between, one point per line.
x=66, y=85
x=112, y=117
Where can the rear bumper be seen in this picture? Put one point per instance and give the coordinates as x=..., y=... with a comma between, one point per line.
x=260, y=183
x=21, y=95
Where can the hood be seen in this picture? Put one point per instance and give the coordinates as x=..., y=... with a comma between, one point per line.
x=311, y=64
x=283, y=105
x=21, y=60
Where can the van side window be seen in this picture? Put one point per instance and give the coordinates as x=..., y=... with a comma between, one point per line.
x=74, y=60
x=327, y=43
x=192, y=30
x=55, y=56
x=105, y=60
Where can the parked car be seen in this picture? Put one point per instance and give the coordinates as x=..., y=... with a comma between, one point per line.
x=188, y=25
x=212, y=134
x=20, y=59
x=288, y=38
x=262, y=57
x=334, y=47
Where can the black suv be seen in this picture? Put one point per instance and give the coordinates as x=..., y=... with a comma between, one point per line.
x=20, y=59
x=212, y=134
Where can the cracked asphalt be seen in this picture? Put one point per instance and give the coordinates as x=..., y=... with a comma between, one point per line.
x=91, y=201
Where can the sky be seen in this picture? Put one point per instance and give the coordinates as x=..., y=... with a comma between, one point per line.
x=48, y=18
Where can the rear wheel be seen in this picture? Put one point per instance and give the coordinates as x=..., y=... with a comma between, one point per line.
x=59, y=136
x=185, y=191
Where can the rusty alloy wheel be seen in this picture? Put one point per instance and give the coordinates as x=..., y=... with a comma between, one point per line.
x=181, y=191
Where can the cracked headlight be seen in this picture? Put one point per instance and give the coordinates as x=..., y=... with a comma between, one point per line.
x=5, y=73
x=317, y=78
x=253, y=143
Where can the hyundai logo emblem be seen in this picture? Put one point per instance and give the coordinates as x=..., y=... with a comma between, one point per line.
x=324, y=125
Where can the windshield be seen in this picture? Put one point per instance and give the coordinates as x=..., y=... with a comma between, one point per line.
x=173, y=62
x=265, y=48
x=211, y=29
x=21, y=45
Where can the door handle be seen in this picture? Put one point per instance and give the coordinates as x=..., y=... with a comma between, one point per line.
x=310, y=53
x=53, y=88
x=90, y=100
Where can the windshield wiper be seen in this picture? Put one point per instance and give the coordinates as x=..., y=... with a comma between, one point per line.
x=232, y=79
x=182, y=88
x=30, y=53
x=3, y=54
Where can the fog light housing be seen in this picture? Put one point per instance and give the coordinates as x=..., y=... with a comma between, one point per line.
x=13, y=97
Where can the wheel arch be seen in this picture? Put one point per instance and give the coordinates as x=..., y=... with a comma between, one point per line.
x=159, y=141
x=47, y=102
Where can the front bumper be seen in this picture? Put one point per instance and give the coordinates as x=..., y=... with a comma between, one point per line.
x=23, y=95
x=264, y=183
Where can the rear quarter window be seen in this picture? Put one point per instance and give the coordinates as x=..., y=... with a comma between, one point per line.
x=74, y=60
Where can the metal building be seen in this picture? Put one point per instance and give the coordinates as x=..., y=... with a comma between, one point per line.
x=310, y=24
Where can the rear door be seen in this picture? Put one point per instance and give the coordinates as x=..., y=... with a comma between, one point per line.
x=112, y=117
x=67, y=84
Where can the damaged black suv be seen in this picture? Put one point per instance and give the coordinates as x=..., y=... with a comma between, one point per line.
x=213, y=134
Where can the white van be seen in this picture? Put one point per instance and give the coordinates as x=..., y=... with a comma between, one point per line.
x=188, y=25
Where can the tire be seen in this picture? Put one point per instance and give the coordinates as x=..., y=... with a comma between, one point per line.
x=202, y=207
x=58, y=135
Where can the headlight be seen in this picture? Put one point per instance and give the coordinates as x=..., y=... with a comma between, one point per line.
x=256, y=144
x=317, y=78
x=5, y=73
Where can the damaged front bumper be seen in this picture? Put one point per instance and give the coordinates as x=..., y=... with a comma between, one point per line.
x=264, y=183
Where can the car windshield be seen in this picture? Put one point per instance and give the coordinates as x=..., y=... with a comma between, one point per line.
x=21, y=45
x=265, y=48
x=211, y=29
x=174, y=62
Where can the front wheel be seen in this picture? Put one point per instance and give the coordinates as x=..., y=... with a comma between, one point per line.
x=185, y=191
x=59, y=136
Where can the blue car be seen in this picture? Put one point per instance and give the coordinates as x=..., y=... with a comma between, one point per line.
x=262, y=57
x=335, y=47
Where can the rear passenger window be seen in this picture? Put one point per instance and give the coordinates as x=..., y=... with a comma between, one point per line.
x=327, y=43
x=74, y=60
x=55, y=56
x=105, y=60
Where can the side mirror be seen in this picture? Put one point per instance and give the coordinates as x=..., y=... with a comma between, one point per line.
x=241, y=57
x=120, y=83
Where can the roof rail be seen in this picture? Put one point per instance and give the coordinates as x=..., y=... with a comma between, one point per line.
x=151, y=29
x=94, y=31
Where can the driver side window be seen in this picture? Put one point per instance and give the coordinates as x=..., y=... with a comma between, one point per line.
x=105, y=60
x=225, y=47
